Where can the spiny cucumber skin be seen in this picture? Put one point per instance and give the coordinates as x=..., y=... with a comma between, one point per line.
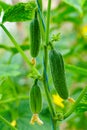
x=35, y=37
x=58, y=73
x=35, y=99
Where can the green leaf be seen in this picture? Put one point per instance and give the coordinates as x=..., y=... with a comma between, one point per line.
x=82, y=106
x=6, y=90
x=77, y=4
x=64, y=13
x=9, y=70
x=20, y=12
x=4, y=6
x=83, y=2
x=23, y=117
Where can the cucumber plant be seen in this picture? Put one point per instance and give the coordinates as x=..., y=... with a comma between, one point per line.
x=33, y=11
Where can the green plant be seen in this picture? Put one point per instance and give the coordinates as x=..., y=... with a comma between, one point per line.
x=10, y=87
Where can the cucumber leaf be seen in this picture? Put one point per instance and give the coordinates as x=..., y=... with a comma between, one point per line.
x=9, y=70
x=4, y=5
x=77, y=4
x=23, y=117
x=82, y=106
x=19, y=12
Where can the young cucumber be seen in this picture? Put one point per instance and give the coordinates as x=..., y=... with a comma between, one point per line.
x=35, y=36
x=35, y=99
x=58, y=74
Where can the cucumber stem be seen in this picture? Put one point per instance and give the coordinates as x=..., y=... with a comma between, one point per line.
x=45, y=59
x=75, y=104
x=24, y=97
x=45, y=81
x=19, y=49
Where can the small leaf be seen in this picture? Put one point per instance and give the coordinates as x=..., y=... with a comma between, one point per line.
x=4, y=6
x=83, y=2
x=77, y=4
x=8, y=70
x=20, y=12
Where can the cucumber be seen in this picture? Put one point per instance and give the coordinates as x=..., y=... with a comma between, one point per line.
x=35, y=99
x=58, y=73
x=35, y=36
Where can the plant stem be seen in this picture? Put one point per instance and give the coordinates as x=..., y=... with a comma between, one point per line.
x=13, y=49
x=47, y=35
x=41, y=18
x=48, y=21
x=51, y=107
x=7, y=123
x=14, y=99
x=54, y=127
x=16, y=45
x=19, y=49
x=75, y=104
x=45, y=80
x=76, y=69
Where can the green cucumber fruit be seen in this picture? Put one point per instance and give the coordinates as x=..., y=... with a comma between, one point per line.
x=35, y=99
x=35, y=36
x=58, y=73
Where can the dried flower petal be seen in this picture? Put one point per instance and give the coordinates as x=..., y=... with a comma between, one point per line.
x=33, y=61
x=71, y=100
x=35, y=118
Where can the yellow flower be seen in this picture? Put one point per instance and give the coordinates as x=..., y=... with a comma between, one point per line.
x=13, y=123
x=58, y=100
x=84, y=30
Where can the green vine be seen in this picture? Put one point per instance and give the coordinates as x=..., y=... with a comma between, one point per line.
x=7, y=123
x=19, y=49
x=75, y=104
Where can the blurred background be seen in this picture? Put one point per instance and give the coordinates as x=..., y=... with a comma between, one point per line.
x=69, y=20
